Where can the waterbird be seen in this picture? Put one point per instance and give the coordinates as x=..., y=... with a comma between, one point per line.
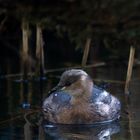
x=77, y=100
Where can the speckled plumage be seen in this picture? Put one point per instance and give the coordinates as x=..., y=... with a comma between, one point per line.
x=75, y=100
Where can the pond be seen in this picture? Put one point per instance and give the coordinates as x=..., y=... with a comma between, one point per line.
x=21, y=101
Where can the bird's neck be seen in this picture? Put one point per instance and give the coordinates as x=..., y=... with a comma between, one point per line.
x=81, y=98
x=81, y=91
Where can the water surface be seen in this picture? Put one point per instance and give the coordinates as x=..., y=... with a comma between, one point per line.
x=21, y=117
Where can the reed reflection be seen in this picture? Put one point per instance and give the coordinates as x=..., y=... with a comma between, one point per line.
x=33, y=128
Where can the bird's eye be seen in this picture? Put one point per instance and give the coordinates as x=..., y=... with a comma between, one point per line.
x=68, y=83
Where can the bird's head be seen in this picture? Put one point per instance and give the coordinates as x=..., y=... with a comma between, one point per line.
x=76, y=82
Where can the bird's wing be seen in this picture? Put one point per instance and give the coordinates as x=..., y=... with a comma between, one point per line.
x=100, y=95
x=56, y=101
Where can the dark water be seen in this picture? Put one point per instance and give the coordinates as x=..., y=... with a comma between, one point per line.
x=21, y=118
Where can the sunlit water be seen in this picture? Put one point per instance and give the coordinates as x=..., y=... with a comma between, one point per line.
x=21, y=118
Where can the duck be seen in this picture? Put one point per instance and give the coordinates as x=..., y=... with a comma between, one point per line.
x=77, y=100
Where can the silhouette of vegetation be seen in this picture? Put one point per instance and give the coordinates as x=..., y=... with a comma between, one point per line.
x=113, y=23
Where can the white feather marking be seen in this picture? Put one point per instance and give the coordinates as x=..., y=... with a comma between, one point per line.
x=55, y=94
x=105, y=93
x=83, y=77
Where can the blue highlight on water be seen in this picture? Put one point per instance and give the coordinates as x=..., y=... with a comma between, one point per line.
x=26, y=105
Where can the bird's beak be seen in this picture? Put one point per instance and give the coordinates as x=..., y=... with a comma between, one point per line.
x=57, y=88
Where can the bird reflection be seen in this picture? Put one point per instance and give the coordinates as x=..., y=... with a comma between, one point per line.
x=82, y=132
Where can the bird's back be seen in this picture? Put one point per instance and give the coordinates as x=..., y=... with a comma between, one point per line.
x=101, y=106
x=106, y=105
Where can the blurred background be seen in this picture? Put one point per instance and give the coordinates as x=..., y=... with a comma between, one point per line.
x=62, y=27
x=39, y=39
